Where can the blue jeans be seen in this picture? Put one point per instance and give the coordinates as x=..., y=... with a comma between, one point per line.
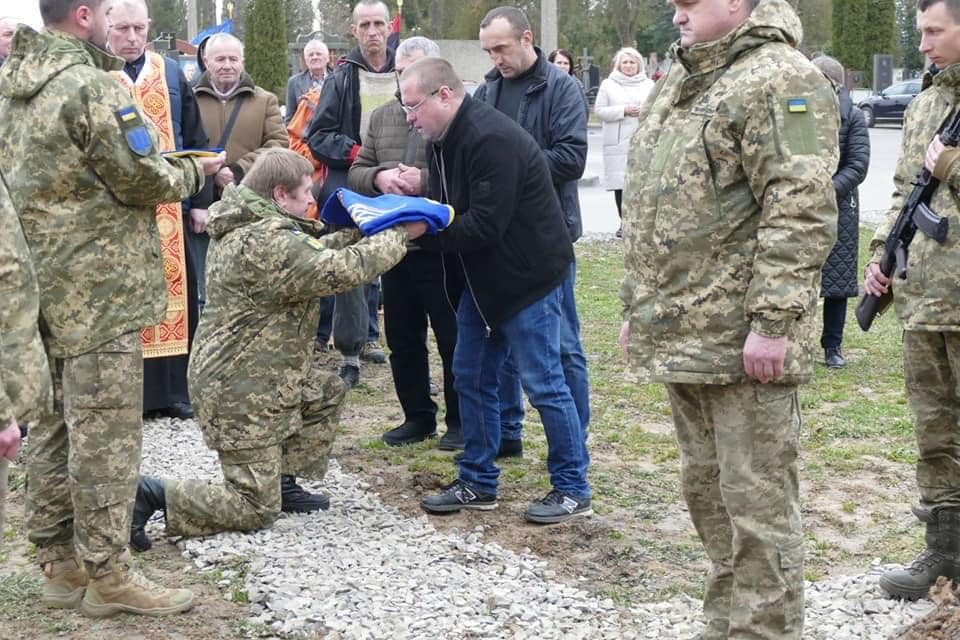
x=532, y=338
x=572, y=359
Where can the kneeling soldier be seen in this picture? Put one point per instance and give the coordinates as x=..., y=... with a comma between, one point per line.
x=263, y=404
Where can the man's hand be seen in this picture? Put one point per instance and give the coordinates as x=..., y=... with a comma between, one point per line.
x=415, y=229
x=763, y=357
x=410, y=177
x=10, y=441
x=198, y=220
x=212, y=165
x=874, y=282
x=224, y=177
x=933, y=153
x=388, y=181
x=624, y=337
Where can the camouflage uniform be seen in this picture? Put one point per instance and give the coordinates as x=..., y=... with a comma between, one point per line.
x=24, y=375
x=729, y=212
x=265, y=406
x=84, y=177
x=928, y=301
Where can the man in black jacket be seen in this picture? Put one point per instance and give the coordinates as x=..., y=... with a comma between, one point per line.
x=363, y=81
x=511, y=241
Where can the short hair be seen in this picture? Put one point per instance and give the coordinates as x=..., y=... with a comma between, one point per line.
x=433, y=73
x=633, y=53
x=57, y=11
x=514, y=16
x=131, y=3
x=314, y=43
x=831, y=68
x=276, y=168
x=369, y=3
x=417, y=43
x=952, y=5
x=217, y=38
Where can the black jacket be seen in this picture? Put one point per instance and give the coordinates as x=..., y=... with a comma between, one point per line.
x=552, y=111
x=509, y=229
x=839, y=276
x=334, y=132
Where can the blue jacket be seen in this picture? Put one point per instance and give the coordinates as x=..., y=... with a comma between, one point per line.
x=552, y=112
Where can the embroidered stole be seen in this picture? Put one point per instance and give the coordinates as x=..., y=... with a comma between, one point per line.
x=150, y=93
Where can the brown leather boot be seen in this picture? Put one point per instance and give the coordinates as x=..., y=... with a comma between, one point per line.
x=65, y=577
x=125, y=590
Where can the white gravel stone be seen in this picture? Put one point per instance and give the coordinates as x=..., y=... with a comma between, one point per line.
x=364, y=570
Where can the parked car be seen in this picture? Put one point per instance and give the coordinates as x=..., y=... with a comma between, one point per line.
x=889, y=104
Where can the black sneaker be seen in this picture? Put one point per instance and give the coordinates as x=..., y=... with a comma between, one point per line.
x=557, y=507
x=456, y=496
x=833, y=359
x=350, y=374
x=409, y=433
x=180, y=410
x=508, y=449
x=296, y=499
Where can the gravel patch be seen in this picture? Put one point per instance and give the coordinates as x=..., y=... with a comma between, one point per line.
x=364, y=570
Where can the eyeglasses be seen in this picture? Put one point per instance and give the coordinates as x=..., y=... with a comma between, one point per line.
x=414, y=108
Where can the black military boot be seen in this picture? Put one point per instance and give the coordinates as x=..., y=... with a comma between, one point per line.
x=296, y=499
x=940, y=558
x=151, y=497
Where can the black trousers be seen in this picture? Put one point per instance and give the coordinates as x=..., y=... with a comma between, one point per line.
x=414, y=291
x=834, y=316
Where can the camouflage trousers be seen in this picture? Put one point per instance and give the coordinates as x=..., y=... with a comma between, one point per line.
x=738, y=446
x=84, y=455
x=249, y=498
x=931, y=370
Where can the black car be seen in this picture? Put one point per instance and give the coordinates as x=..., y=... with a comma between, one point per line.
x=889, y=104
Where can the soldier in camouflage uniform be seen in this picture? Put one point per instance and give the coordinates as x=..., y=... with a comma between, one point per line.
x=267, y=407
x=729, y=212
x=928, y=305
x=84, y=177
x=24, y=374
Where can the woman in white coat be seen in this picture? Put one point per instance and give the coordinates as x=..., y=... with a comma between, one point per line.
x=618, y=104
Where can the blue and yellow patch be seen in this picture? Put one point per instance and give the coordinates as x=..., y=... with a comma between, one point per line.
x=134, y=130
x=307, y=239
x=796, y=105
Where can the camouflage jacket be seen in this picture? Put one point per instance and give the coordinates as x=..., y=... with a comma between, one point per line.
x=24, y=376
x=85, y=177
x=266, y=271
x=929, y=299
x=729, y=208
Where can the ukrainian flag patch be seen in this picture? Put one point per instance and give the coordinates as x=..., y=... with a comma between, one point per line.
x=796, y=105
x=134, y=131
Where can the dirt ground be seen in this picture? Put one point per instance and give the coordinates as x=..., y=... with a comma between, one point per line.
x=638, y=547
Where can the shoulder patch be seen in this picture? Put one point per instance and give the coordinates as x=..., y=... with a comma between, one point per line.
x=307, y=239
x=796, y=105
x=134, y=130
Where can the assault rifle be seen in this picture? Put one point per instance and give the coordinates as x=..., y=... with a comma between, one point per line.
x=915, y=214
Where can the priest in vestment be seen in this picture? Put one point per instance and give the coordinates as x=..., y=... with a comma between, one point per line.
x=164, y=96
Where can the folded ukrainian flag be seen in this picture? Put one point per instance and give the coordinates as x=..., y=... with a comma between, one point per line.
x=372, y=215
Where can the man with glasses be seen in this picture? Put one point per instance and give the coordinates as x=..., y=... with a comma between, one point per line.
x=392, y=160
x=510, y=238
x=360, y=84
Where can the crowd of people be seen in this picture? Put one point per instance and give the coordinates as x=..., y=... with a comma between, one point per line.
x=147, y=274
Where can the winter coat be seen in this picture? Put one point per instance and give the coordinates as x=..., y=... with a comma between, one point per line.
x=929, y=299
x=386, y=143
x=266, y=271
x=258, y=125
x=84, y=176
x=552, y=112
x=509, y=230
x=729, y=209
x=615, y=92
x=840, y=275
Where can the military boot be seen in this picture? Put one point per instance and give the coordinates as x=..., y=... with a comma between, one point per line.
x=941, y=557
x=122, y=589
x=65, y=577
x=296, y=499
x=151, y=497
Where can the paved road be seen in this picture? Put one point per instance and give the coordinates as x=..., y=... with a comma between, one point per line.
x=600, y=212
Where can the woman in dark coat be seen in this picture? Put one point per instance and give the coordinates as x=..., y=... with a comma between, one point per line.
x=839, y=276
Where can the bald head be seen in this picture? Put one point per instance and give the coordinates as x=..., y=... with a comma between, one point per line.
x=7, y=27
